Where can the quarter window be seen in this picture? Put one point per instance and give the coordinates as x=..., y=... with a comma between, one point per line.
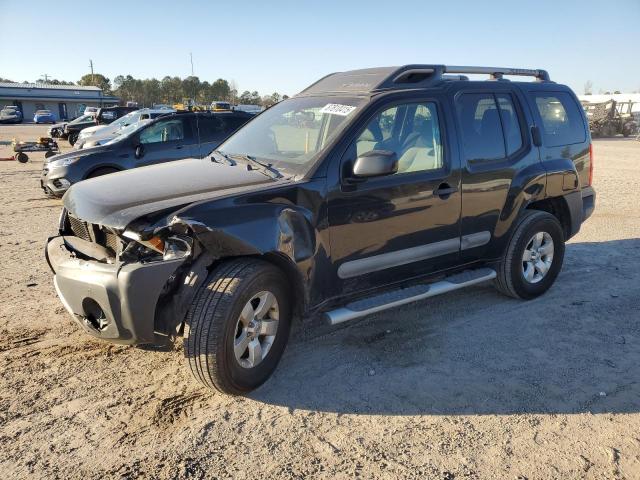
x=562, y=122
x=412, y=131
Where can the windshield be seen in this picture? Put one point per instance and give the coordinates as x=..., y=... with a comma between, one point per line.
x=83, y=118
x=127, y=119
x=126, y=131
x=292, y=134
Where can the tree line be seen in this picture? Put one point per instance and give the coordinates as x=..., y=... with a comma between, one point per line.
x=170, y=90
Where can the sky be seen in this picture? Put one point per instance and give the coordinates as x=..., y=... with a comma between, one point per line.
x=283, y=46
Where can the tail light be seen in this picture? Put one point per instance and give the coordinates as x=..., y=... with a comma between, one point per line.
x=590, y=163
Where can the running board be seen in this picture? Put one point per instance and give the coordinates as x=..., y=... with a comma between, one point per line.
x=395, y=298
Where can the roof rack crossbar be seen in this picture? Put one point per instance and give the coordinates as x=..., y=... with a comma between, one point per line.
x=498, y=72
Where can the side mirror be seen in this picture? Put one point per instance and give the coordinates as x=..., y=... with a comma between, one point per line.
x=375, y=163
x=139, y=151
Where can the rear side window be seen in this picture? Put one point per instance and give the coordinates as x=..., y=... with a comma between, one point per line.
x=490, y=126
x=510, y=123
x=232, y=123
x=210, y=128
x=562, y=123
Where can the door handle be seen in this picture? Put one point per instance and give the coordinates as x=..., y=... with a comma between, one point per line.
x=444, y=190
x=179, y=147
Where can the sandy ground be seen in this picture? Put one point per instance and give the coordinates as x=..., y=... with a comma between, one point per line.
x=467, y=385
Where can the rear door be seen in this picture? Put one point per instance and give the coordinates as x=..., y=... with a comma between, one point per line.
x=499, y=161
x=168, y=139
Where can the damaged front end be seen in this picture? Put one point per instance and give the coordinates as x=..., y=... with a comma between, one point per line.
x=115, y=282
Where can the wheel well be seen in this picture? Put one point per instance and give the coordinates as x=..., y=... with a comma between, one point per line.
x=102, y=167
x=557, y=207
x=295, y=280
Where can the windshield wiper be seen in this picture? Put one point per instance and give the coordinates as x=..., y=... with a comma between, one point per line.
x=226, y=159
x=253, y=164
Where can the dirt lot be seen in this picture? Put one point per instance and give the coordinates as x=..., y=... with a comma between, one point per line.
x=468, y=385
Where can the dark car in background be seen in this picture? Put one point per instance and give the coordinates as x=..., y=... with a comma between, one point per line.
x=171, y=137
x=107, y=115
x=72, y=130
x=10, y=114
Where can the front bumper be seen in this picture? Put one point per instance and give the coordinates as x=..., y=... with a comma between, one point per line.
x=115, y=302
x=54, y=182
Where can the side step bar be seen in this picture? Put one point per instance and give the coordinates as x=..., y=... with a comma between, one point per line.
x=395, y=298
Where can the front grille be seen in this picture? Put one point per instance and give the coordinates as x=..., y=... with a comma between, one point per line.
x=112, y=241
x=79, y=228
x=93, y=233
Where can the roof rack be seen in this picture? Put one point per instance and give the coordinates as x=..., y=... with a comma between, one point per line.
x=371, y=80
x=496, y=73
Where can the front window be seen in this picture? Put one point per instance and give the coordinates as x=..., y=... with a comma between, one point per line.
x=292, y=134
x=165, y=131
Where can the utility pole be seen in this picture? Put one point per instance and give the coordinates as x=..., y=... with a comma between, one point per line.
x=194, y=86
x=91, y=66
x=46, y=77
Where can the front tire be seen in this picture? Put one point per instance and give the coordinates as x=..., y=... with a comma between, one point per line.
x=533, y=257
x=238, y=326
x=72, y=138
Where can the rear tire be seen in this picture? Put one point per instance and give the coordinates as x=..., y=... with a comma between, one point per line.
x=238, y=326
x=22, y=157
x=533, y=257
x=49, y=153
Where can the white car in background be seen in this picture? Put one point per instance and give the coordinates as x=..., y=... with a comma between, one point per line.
x=101, y=134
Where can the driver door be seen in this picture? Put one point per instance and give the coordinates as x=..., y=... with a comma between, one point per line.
x=391, y=228
x=167, y=140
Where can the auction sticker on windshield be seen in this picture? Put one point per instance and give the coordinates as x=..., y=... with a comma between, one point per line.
x=337, y=109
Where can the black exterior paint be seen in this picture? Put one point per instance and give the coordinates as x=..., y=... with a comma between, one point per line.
x=311, y=226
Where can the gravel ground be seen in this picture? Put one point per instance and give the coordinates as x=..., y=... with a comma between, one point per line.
x=467, y=385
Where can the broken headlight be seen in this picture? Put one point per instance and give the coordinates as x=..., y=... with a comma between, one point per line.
x=177, y=247
x=171, y=248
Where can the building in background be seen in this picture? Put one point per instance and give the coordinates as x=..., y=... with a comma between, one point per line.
x=64, y=101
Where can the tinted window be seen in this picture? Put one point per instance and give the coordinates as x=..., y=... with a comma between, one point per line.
x=481, y=130
x=562, y=122
x=232, y=123
x=414, y=135
x=165, y=131
x=510, y=123
x=210, y=128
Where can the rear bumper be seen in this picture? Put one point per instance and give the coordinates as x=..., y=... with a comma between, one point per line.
x=114, y=302
x=588, y=202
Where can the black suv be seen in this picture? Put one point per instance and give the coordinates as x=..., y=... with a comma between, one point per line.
x=167, y=138
x=368, y=190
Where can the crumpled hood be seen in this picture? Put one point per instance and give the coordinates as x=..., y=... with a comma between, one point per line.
x=115, y=200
